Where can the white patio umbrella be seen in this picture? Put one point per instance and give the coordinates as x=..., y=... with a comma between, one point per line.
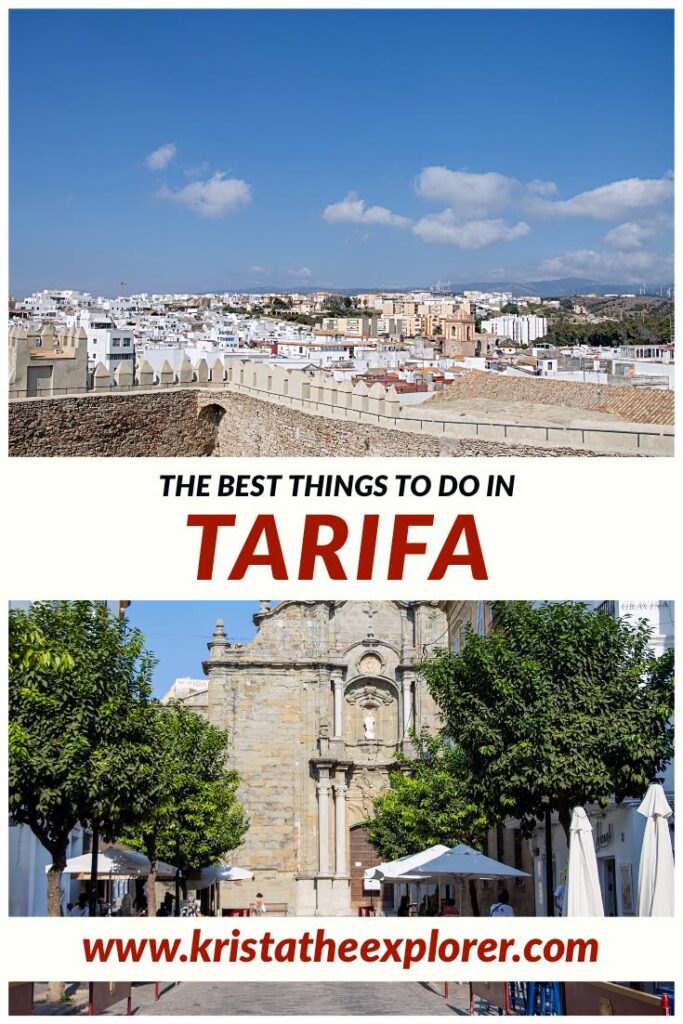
x=402, y=868
x=465, y=864
x=218, y=873
x=656, y=870
x=116, y=863
x=583, y=897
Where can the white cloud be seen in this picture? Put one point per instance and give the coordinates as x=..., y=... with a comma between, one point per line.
x=618, y=200
x=629, y=235
x=541, y=188
x=467, y=195
x=160, y=158
x=303, y=274
x=609, y=267
x=352, y=210
x=197, y=170
x=216, y=197
x=445, y=229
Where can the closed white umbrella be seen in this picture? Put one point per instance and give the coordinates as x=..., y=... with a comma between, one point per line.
x=656, y=870
x=583, y=897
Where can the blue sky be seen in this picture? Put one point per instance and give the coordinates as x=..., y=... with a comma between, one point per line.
x=204, y=150
x=177, y=633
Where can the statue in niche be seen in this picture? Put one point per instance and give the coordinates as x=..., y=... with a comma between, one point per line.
x=324, y=728
x=369, y=724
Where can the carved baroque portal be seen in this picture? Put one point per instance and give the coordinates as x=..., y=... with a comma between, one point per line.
x=371, y=712
x=316, y=705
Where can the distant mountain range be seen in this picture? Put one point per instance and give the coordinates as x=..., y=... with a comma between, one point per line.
x=545, y=289
x=562, y=286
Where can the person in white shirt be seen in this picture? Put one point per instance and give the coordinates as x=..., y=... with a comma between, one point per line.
x=502, y=908
x=81, y=909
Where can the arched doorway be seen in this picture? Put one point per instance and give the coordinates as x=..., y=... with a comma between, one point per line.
x=362, y=855
x=209, y=419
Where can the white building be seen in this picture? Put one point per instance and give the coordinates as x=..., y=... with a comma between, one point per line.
x=51, y=300
x=107, y=343
x=28, y=861
x=522, y=329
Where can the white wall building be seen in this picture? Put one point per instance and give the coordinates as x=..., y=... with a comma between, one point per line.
x=522, y=329
x=50, y=300
x=107, y=343
x=28, y=860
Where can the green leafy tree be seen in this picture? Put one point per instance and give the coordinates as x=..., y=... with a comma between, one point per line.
x=79, y=745
x=555, y=707
x=340, y=306
x=195, y=817
x=429, y=801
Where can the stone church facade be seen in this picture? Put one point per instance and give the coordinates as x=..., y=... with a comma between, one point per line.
x=317, y=705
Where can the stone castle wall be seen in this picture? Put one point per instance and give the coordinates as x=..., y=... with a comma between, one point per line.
x=192, y=422
x=631, y=404
x=141, y=424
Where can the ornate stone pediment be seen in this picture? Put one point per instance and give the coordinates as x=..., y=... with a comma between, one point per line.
x=369, y=697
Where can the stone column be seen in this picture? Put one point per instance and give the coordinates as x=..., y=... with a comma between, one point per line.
x=339, y=828
x=407, y=704
x=323, y=789
x=338, y=694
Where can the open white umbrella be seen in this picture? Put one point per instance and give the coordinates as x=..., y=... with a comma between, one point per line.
x=116, y=863
x=656, y=870
x=401, y=868
x=583, y=897
x=464, y=862
x=218, y=873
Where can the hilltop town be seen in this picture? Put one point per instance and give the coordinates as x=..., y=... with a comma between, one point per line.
x=470, y=373
x=416, y=341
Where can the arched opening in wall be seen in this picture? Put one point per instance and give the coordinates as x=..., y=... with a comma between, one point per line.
x=362, y=855
x=209, y=419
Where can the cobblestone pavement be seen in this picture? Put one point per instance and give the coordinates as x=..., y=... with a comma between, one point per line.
x=337, y=998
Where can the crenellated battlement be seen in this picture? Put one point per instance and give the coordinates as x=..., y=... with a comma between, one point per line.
x=306, y=391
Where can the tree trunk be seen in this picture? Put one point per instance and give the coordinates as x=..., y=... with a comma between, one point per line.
x=54, y=909
x=565, y=817
x=474, y=899
x=54, y=890
x=150, y=888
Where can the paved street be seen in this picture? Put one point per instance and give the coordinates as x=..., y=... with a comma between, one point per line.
x=227, y=999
